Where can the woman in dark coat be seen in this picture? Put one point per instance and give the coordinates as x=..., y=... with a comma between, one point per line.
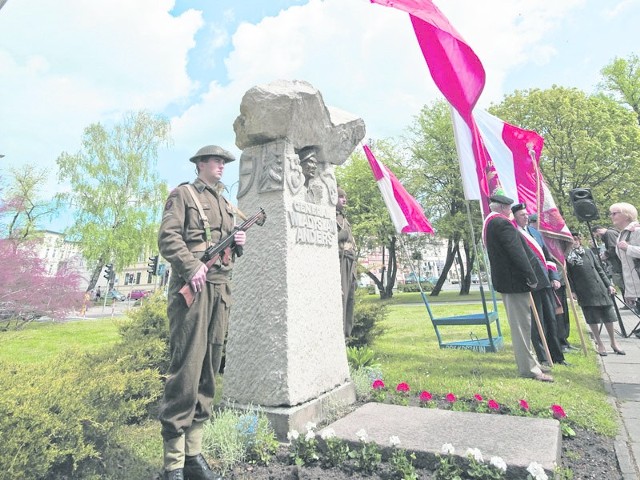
x=592, y=287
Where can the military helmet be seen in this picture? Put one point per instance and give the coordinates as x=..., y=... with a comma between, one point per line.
x=213, y=151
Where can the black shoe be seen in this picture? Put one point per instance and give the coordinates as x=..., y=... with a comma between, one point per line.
x=173, y=475
x=197, y=468
x=565, y=363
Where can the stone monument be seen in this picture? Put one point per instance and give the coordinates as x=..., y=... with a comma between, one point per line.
x=286, y=352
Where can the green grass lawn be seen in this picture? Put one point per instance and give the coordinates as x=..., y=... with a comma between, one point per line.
x=40, y=341
x=408, y=352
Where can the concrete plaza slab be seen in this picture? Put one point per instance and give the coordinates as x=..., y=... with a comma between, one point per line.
x=517, y=440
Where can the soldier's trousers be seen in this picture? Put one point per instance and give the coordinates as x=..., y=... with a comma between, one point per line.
x=196, y=341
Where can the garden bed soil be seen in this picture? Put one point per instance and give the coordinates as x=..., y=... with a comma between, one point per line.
x=588, y=456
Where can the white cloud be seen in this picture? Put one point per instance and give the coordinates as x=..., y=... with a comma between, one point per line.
x=68, y=64
x=620, y=7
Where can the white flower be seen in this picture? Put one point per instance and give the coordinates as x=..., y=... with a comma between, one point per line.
x=447, y=449
x=498, y=463
x=362, y=435
x=310, y=435
x=293, y=435
x=475, y=454
x=394, y=441
x=327, y=433
x=310, y=426
x=536, y=471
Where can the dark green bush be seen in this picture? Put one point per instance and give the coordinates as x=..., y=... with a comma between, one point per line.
x=413, y=287
x=367, y=317
x=58, y=419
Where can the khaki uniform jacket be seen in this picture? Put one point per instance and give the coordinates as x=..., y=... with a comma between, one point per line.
x=181, y=238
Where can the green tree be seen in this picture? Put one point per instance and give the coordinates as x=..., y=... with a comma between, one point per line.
x=115, y=191
x=368, y=215
x=433, y=172
x=590, y=141
x=621, y=78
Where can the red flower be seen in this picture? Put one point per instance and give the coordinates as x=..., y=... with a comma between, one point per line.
x=478, y=397
x=425, y=396
x=558, y=412
x=524, y=405
x=493, y=405
x=451, y=398
x=402, y=387
x=378, y=384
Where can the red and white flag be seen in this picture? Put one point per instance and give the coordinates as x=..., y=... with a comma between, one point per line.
x=515, y=156
x=406, y=213
x=456, y=70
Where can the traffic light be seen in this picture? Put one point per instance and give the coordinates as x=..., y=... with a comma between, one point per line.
x=108, y=271
x=153, y=265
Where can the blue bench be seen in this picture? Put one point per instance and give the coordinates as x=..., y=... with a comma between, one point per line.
x=492, y=343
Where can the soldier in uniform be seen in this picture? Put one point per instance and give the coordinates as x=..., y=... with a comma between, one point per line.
x=348, y=264
x=195, y=216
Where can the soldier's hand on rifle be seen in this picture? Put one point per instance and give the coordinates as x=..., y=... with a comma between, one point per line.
x=240, y=237
x=199, y=279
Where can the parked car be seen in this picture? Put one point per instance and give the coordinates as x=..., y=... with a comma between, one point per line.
x=116, y=295
x=138, y=294
x=475, y=278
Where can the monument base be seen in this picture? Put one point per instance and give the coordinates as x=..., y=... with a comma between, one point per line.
x=285, y=419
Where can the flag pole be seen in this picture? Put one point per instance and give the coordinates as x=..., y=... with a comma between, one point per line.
x=574, y=310
x=540, y=329
x=475, y=251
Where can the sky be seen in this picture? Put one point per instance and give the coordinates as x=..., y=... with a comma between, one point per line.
x=67, y=65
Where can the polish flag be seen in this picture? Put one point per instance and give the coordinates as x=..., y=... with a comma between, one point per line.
x=515, y=156
x=457, y=72
x=406, y=213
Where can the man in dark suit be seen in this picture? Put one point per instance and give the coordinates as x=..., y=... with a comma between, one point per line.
x=548, y=279
x=513, y=276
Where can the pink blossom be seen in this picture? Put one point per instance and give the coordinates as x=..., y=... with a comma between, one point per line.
x=451, y=398
x=478, y=397
x=558, y=412
x=524, y=405
x=425, y=396
x=402, y=387
x=493, y=405
x=378, y=384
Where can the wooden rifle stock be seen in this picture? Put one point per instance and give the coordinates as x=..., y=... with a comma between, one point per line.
x=222, y=251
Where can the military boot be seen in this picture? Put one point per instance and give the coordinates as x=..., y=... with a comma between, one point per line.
x=197, y=468
x=177, y=474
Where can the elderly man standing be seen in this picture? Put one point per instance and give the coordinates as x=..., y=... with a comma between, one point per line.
x=195, y=216
x=548, y=280
x=513, y=276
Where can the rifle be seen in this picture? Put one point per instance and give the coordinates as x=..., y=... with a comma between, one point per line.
x=222, y=251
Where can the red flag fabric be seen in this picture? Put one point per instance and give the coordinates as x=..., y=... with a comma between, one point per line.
x=515, y=156
x=406, y=213
x=455, y=69
x=454, y=66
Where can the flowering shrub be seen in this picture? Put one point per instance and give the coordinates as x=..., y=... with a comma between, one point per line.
x=536, y=472
x=402, y=394
x=524, y=406
x=303, y=450
x=426, y=399
x=368, y=457
x=559, y=414
x=401, y=464
x=337, y=451
x=447, y=468
x=493, y=405
x=379, y=390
